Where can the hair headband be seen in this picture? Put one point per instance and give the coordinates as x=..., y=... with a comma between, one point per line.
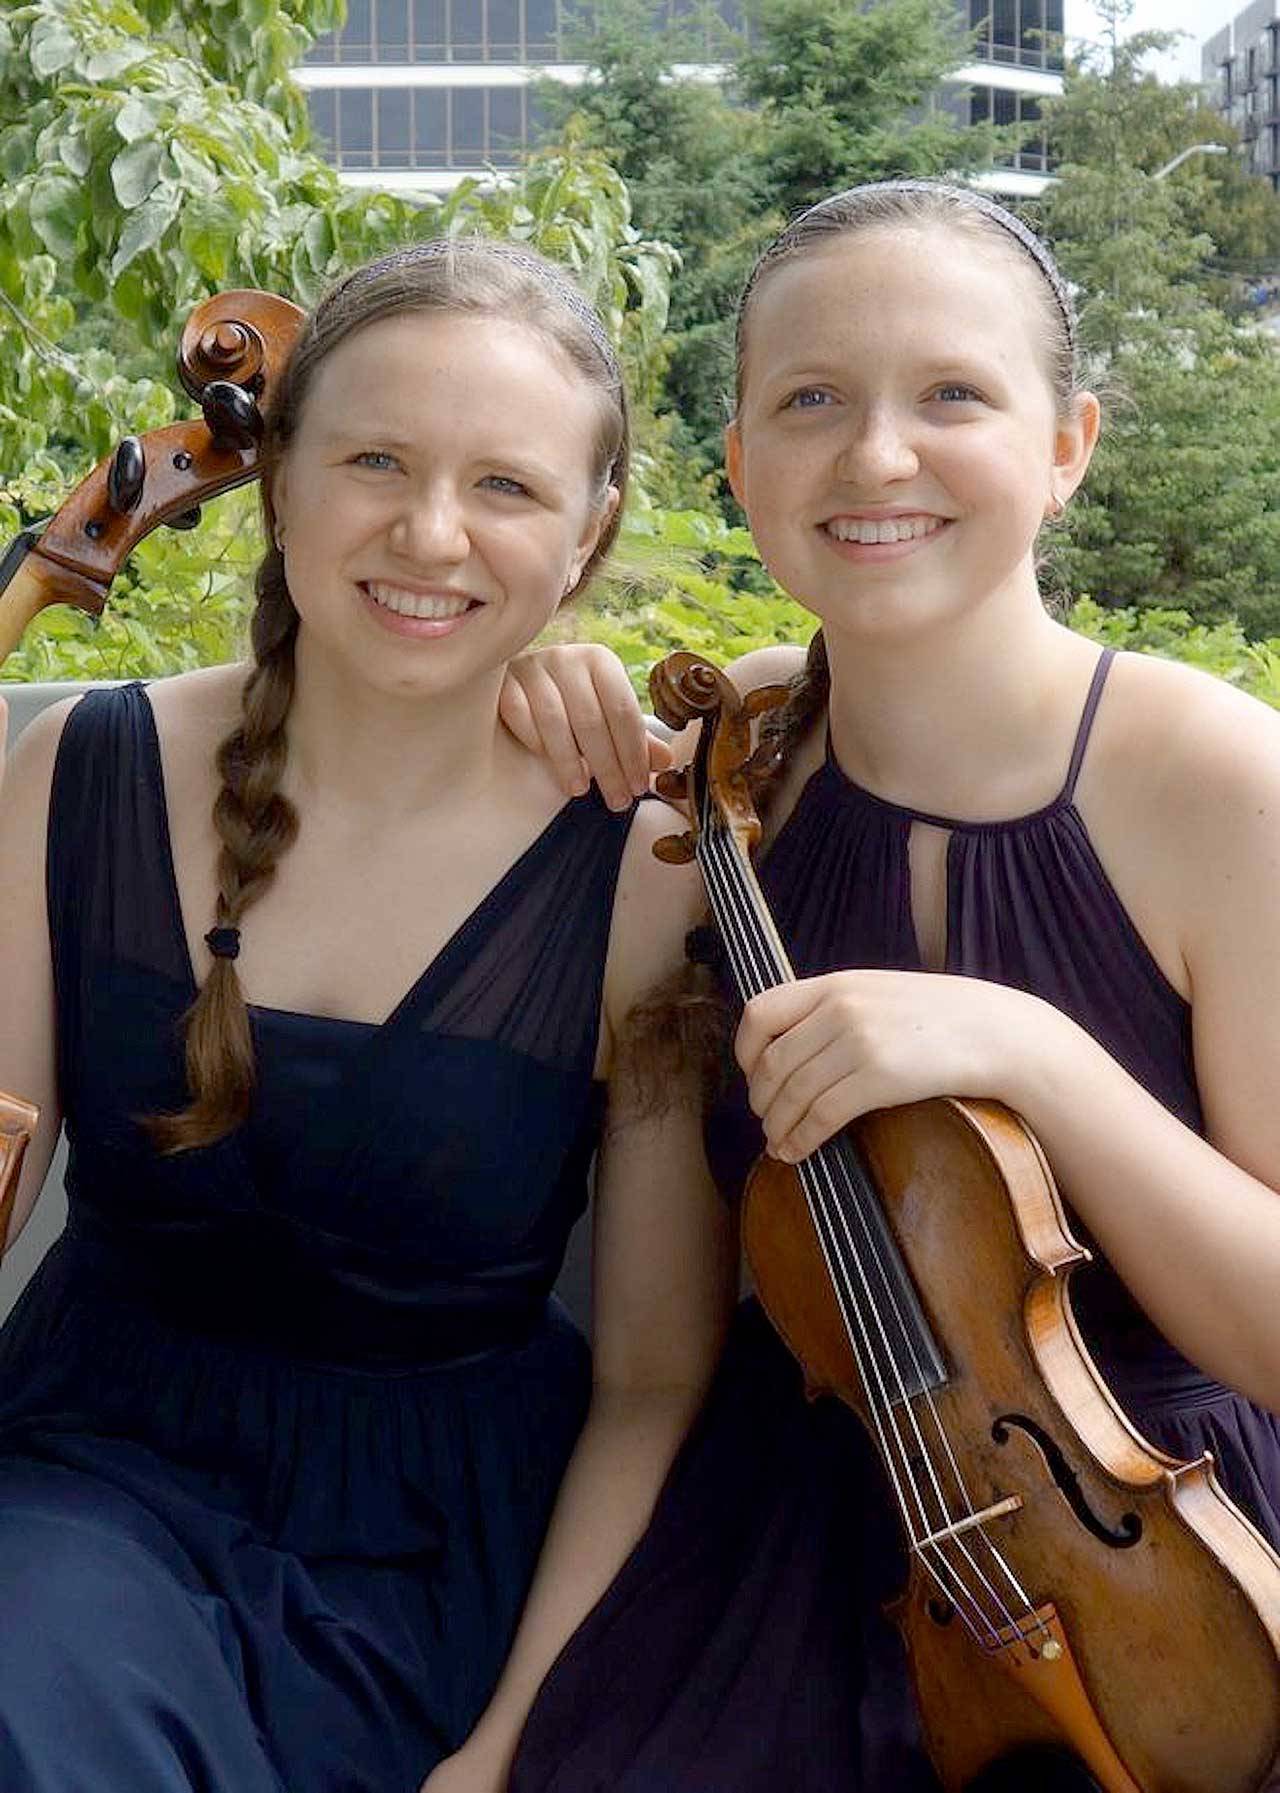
x=544, y=272
x=960, y=196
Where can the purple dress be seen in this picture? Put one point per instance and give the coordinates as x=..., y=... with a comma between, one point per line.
x=741, y=1649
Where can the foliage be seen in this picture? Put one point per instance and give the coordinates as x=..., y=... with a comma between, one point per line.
x=1179, y=507
x=154, y=152
x=825, y=94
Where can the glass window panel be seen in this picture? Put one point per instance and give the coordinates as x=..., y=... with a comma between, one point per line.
x=322, y=105
x=430, y=126
x=1004, y=20
x=980, y=106
x=395, y=127
x=506, y=122
x=355, y=122
x=391, y=24
x=504, y=30
x=465, y=31
x=1004, y=106
x=466, y=140
x=325, y=49
x=540, y=28
x=356, y=42
x=429, y=43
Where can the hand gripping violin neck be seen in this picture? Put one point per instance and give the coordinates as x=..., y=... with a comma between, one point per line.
x=1068, y=1583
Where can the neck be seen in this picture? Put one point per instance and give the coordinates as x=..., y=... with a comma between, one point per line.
x=967, y=720
x=388, y=755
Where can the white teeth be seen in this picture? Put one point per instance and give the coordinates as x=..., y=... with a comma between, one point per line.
x=888, y=529
x=411, y=603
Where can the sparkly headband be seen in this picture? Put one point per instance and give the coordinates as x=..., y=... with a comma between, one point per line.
x=965, y=196
x=544, y=272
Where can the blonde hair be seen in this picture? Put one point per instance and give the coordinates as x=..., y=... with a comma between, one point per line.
x=255, y=822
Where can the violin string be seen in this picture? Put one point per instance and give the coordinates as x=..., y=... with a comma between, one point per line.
x=824, y=1203
x=853, y=1314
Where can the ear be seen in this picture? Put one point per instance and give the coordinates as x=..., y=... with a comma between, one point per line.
x=733, y=459
x=1074, y=441
x=597, y=522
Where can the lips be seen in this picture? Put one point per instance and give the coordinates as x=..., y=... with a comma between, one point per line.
x=872, y=531
x=425, y=606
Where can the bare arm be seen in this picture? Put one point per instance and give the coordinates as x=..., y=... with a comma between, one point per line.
x=27, y=1028
x=664, y=1281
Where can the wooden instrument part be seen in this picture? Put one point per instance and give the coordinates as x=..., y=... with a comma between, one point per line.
x=17, y=1126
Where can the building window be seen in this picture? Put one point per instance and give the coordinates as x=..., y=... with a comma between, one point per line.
x=1001, y=106
x=1026, y=33
x=421, y=127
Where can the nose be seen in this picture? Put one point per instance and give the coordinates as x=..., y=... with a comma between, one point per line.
x=430, y=528
x=877, y=448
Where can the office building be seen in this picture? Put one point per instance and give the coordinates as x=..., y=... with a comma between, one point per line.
x=1240, y=65
x=419, y=93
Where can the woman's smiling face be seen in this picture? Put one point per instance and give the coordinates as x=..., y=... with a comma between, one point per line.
x=898, y=440
x=438, y=497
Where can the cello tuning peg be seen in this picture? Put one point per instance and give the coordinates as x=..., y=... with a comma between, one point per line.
x=185, y=519
x=673, y=785
x=232, y=415
x=126, y=475
x=675, y=849
x=767, y=758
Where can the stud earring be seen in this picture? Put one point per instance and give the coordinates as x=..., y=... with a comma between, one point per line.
x=1055, y=507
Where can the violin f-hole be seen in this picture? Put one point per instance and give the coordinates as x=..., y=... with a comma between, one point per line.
x=1121, y=1537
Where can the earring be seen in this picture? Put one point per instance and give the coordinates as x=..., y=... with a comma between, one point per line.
x=1055, y=507
x=279, y=540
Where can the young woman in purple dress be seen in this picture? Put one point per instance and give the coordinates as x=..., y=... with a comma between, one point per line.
x=1005, y=865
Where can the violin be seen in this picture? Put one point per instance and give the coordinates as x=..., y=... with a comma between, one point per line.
x=231, y=352
x=1068, y=1583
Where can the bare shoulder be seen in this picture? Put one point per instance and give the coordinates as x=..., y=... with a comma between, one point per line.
x=1201, y=751
x=766, y=666
x=190, y=704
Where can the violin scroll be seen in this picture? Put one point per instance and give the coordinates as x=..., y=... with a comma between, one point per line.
x=233, y=347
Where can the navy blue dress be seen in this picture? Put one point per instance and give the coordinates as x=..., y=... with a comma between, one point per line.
x=282, y=1420
x=741, y=1649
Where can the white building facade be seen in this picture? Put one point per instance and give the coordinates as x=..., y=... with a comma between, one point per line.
x=1240, y=65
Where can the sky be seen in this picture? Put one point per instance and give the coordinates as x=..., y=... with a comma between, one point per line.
x=1200, y=17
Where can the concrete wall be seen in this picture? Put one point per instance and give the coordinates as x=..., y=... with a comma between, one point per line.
x=26, y=701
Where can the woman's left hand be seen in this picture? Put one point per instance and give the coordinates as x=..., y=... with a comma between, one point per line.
x=819, y=1052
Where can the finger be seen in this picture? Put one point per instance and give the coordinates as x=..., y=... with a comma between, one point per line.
x=805, y=1085
x=549, y=715
x=792, y=1055
x=771, y=1014
x=830, y=1114
x=517, y=717
x=659, y=752
x=622, y=716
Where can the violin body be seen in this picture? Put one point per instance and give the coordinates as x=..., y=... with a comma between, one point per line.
x=1162, y=1601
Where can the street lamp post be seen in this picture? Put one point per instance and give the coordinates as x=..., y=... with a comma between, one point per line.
x=1193, y=149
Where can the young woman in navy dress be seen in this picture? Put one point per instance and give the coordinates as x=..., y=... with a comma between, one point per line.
x=1005, y=865
x=305, y=1478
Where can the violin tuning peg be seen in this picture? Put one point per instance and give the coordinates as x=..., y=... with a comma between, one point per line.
x=232, y=415
x=675, y=849
x=185, y=519
x=126, y=475
x=766, y=759
x=673, y=785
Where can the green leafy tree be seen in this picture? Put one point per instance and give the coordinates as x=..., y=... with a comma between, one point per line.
x=153, y=153
x=1178, y=510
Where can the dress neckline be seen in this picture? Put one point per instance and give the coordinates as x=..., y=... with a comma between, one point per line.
x=851, y=789
x=433, y=973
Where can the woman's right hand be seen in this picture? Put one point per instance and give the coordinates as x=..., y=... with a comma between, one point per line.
x=574, y=704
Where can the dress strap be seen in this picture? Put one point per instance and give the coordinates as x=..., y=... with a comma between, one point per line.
x=1091, y=703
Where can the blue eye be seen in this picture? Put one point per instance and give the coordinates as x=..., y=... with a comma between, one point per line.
x=958, y=394
x=377, y=458
x=502, y=482
x=808, y=398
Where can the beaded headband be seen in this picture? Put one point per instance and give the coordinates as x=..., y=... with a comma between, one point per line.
x=547, y=275
x=960, y=196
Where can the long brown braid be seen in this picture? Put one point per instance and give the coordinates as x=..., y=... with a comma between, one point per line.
x=255, y=822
